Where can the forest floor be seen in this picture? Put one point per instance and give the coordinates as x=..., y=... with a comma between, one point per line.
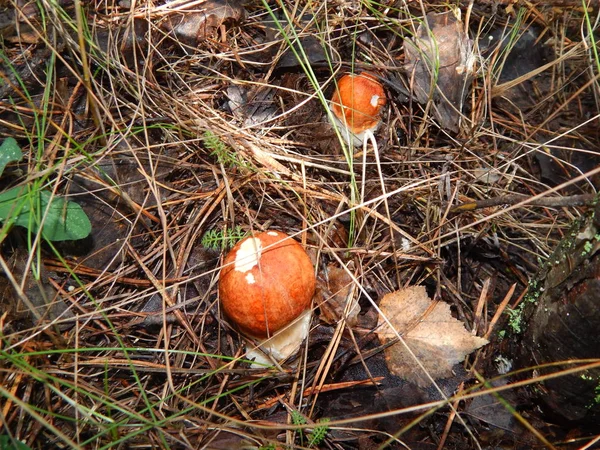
x=178, y=128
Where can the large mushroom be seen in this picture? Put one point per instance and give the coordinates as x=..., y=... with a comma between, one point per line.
x=266, y=286
x=356, y=106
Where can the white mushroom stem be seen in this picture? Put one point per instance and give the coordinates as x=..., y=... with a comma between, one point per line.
x=282, y=344
x=351, y=138
x=367, y=137
x=370, y=137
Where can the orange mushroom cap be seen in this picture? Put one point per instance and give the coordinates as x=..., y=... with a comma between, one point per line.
x=357, y=102
x=266, y=282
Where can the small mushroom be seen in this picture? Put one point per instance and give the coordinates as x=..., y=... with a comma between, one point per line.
x=266, y=287
x=356, y=105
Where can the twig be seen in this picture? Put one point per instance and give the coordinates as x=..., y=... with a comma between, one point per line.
x=513, y=199
x=547, y=3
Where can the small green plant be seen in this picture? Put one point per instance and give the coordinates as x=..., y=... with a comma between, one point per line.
x=318, y=433
x=223, y=239
x=297, y=418
x=224, y=154
x=267, y=447
x=37, y=209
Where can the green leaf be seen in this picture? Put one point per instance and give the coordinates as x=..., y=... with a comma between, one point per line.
x=9, y=152
x=64, y=221
x=6, y=443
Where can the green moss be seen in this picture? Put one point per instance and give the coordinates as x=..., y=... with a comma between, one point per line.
x=596, y=400
x=587, y=248
x=515, y=318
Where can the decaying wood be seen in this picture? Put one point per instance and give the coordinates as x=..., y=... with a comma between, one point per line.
x=561, y=322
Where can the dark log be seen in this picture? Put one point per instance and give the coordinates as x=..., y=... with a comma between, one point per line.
x=561, y=323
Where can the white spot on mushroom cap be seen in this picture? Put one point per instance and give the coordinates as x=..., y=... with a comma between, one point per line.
x=375, y=101
x=272, y=233
x=250, y=278
x=248, y=255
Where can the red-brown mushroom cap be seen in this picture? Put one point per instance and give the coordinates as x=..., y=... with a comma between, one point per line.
x=357, y=102
x=266, y=282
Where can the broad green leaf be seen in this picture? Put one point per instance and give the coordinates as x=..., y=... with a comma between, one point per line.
x=9, y=152
x=6, y=443
x=64, y=221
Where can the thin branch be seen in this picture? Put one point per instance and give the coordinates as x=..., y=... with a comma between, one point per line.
x=513, y=199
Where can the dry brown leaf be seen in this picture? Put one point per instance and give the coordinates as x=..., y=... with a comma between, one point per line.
x=338, y=293
x=197, y=21
x=436, y=338
x=35, y=300
x=441, y=53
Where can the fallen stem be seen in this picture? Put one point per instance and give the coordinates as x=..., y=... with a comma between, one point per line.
x=513, y=199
